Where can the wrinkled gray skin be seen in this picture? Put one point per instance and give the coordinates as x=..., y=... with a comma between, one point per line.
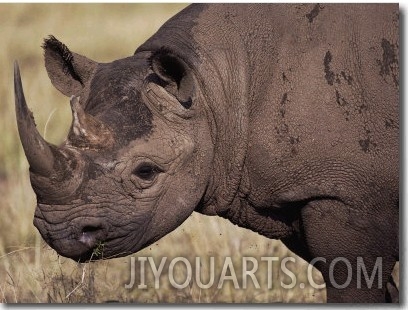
x=281, y=118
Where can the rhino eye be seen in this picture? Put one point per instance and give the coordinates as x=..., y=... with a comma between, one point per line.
x=146, y=172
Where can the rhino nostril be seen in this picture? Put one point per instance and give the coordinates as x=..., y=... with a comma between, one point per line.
x=90, y=235
x=91, y=229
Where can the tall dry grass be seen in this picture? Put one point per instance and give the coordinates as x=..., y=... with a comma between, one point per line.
x=32, y=272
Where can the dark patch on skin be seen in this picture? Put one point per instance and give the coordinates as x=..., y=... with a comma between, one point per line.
x=115, y=99
x=367, y=144
x=332, y=77
x=282, y=112
x=313, y=13
x=337, y=80
x=282, y=130
x=229, y=15
x=390, y=123
x=364, y=144
x=340, y=100
x=284, y=78
x=343, y=103
x=294, y=141
x=362, y=108
x=329, y=75
x=347, y=78
x=282, y=109
x=389, y=62
x=347, y=114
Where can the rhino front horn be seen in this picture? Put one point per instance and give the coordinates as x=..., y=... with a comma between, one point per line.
x=54, y=171
x=36, y=149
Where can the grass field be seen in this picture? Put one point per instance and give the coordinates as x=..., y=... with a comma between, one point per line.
x=32, y=272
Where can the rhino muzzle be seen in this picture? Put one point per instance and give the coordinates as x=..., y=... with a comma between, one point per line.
x=80, y=240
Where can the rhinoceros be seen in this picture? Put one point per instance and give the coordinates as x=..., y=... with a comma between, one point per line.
x=282, y=118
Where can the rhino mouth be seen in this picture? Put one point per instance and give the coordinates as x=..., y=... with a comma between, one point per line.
x=83, y=239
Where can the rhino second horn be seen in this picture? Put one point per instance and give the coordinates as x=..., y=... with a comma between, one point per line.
x=37, y=150
x=87, y=131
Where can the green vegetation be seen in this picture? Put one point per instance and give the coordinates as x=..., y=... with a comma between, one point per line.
x=32, y=272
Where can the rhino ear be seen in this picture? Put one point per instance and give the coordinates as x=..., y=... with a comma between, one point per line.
x=67, y=71
x=175, y=74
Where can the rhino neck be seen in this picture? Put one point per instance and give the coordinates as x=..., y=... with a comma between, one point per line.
x=224, y=78
x=220, y=64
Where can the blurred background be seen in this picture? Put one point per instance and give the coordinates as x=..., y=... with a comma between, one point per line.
x=32, y=272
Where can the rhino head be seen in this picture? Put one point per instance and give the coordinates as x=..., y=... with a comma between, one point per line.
x=137, y=160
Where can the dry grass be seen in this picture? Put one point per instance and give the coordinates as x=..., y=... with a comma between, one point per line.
x=29, y=270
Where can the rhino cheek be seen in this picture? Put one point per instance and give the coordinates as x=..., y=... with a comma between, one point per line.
x=184, y=191
x=187, y=185
x=171, y=212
